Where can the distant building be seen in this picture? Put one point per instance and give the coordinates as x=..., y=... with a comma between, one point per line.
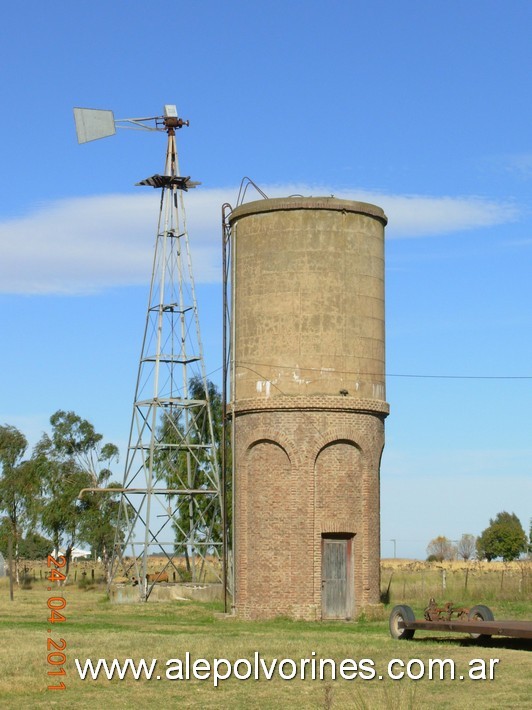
x=75, y=554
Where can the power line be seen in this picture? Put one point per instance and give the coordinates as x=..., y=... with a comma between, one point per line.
x=466, y=377
x=388, y=374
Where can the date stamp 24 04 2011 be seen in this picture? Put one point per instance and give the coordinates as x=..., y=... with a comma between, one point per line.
x=56, y=649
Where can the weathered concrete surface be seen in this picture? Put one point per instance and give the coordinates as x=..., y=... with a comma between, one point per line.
x=308, y=298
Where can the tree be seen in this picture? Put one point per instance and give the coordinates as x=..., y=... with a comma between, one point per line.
x=466, y=546
x=19, y=487
x=71, y=459
x=504, y=537
x=100, y=511
x=61, y=481
x=440, y=548
x=33, y=546
x=76, y=438
x=197, y=517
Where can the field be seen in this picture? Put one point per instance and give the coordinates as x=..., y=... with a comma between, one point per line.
x=465, y=583
x=94, y=628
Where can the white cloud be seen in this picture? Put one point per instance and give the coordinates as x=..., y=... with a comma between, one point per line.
x=416, y=216
x=87, y=244
x=420, y=215
x=521, y=164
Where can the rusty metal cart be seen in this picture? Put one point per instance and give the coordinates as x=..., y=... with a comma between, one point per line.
x=478, y=622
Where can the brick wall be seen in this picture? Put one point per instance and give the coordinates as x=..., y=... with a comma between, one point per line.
x=306, y=466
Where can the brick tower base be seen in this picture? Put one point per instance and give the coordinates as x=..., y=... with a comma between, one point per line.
x=307, y=515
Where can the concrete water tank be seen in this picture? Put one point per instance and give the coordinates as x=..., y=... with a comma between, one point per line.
x=308, y=395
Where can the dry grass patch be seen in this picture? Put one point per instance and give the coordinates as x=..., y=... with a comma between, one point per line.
x=501, y=585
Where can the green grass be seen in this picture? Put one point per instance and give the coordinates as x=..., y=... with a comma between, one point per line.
x=95, y=628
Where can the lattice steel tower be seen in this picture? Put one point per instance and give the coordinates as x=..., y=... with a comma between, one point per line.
x=171, y=495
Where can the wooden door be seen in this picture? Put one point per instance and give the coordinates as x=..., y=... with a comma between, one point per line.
x=336, y=584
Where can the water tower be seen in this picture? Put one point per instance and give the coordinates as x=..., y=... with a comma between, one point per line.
x=307, y=400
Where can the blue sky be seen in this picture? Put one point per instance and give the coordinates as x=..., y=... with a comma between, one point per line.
x=421, y=108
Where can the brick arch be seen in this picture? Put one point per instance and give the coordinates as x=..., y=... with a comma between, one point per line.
x=267, y=472
x=346, y=445
x=338, y=476
x=273, y=436
x=360, y=431
x=333, y=438
x=267, y=440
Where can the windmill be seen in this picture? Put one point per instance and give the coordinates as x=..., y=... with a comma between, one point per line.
x=171, y=496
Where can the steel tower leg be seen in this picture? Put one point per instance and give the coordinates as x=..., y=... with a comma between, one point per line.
x=172, y=499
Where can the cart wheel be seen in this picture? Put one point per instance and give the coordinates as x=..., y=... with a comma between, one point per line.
x=401, y=613
x=482, y=613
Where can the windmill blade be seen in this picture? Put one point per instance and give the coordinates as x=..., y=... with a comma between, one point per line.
x=181, y=183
